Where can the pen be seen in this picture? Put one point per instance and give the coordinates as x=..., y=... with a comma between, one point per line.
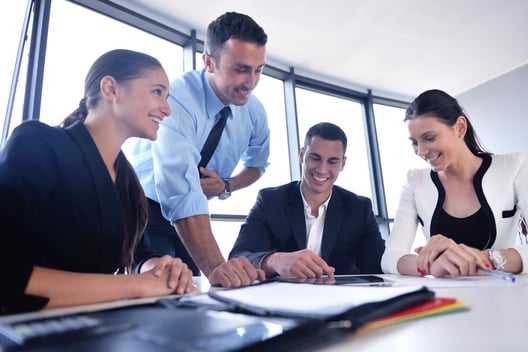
x=498, y=273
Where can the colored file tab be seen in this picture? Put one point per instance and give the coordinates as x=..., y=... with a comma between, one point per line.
x=434, y=306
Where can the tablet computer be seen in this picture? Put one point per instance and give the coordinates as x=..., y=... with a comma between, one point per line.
x=363, y=280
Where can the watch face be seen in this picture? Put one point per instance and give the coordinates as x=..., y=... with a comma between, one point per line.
x=498, y=259
x=223, y=196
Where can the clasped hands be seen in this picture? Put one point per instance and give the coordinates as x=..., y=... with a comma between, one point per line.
x=442, y=256
x=166, y=275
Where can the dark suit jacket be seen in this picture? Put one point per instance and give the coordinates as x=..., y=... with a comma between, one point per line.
x=351, y=242
x=58, y=209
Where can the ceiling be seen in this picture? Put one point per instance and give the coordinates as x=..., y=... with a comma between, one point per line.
x=397, y=48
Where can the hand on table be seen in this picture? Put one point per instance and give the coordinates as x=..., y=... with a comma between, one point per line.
x=176, y=273
x=235, y=272
x=442, y=256
x=302, y=264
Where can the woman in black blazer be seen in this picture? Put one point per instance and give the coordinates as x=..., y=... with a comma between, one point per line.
x=71, y=207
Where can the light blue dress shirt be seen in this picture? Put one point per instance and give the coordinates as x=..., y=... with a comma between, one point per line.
x=167, y=168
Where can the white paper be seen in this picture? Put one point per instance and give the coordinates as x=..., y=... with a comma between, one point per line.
x=308, y=299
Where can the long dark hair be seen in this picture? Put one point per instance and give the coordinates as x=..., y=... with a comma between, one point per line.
x=122, y=65
x=446, y=109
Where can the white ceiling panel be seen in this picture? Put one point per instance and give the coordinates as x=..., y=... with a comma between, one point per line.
x=399, y=47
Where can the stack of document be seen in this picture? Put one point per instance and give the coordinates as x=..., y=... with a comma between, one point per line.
x=268, y=316
x=309, y=300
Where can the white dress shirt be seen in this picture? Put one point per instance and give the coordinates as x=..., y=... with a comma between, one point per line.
x=314, y=225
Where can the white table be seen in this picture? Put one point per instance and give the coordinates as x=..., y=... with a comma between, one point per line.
x=497, y=320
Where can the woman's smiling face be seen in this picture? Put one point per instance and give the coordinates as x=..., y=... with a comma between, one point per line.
x=436, y=142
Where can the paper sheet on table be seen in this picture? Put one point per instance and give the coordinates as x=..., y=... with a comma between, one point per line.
x=307, y=299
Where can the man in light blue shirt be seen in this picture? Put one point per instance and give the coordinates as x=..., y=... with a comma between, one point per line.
x=177, y=190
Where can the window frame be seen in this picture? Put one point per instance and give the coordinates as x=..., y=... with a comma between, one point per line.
x=193, y=45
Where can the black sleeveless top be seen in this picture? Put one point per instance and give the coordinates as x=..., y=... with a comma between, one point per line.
x=478, y=230
x=472, y=231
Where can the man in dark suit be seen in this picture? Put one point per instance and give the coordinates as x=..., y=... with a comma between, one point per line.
x=312, y=228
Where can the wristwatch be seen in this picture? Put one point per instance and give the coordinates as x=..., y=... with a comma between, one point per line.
x=497, y=259
x=227, y=191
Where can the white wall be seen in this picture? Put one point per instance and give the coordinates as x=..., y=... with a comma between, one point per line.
x=498, y=109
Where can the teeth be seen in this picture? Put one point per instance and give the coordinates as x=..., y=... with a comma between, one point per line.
x=155, y=119
x=433, y=159
x=320, y=179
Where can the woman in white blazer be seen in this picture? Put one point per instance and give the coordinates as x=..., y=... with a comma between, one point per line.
x=468, y=202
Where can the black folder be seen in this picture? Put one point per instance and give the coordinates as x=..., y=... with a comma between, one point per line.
x=164, y=326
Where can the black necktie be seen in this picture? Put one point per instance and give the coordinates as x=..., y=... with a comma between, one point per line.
x=214, y=137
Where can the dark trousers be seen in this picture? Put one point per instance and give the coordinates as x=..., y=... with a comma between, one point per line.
x=162, y=237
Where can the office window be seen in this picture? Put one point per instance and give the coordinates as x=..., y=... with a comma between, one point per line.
x=396, y=155
x=315, y=107
x=11, y=24
x=396, y=152
x=77, y=37
x=199, y=61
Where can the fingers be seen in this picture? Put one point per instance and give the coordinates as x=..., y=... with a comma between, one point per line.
x=184, y=283
x=317, y=267
x=261, y=275
x=176, y=273
x=180, y=277
x=447, y=264
x=208, y=173
x=304, y=264
x=458, y=260
x=210, y=182
x=234, y=273
x=474, y=258
x=162, y=264
x=437, y=245
x=328, y=270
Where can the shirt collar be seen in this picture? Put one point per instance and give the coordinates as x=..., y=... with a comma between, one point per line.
x=322, y=207
x=213, y=104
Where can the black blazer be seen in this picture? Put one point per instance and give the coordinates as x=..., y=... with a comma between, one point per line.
x=58, y=209
x=351, y=242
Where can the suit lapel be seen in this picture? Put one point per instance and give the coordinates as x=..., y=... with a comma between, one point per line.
x=334, y=219
x=295, y=214
x=110, y=210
